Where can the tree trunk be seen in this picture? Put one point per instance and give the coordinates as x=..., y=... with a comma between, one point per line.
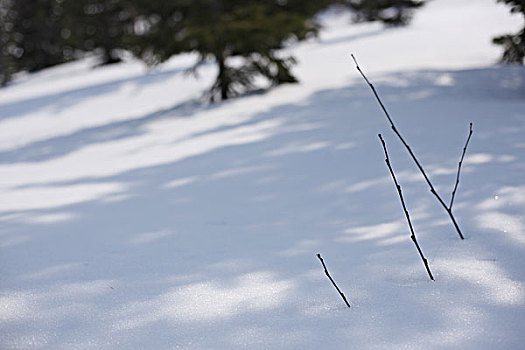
x=109, y=56
x=222, y=78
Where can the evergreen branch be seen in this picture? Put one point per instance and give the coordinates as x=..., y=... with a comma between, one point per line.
x=420, y=167
x=332, y=280
x=400, y=192
x=459, y=169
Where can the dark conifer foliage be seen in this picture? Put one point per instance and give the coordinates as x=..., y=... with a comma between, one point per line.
x=390, y=12
x=30, y=35
x=513, y=44
x=243, y=37
x=7, y=48
x=253, y=30
x=35, y=34
x=99, y=25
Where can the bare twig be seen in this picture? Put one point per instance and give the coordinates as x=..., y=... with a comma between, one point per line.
x=400, y=192
x=459, y=169
x=332, y=280
x=420, y=167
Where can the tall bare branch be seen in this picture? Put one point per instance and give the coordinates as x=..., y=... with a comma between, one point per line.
x=414, y=158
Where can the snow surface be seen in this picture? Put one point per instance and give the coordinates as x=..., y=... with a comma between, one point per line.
x=134, y=217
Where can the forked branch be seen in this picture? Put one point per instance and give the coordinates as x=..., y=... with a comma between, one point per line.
x=332, y=280
x=400, y=192
x=447, y=208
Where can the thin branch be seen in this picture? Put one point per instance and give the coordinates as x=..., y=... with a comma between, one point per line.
x=400, y=192
x=332, y=280
x=459, y=169
x=420, y=167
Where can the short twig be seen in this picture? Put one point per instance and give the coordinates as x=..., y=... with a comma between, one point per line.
x=420, y=167
x=459, y=169
x=332, y=280
x=400, y=192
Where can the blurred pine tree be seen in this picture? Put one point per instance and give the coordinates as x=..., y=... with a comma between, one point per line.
x=7, y=64
x=220, y=29
x=390, y=12
x=98, y=25
x=30, y=35
x=513, y=44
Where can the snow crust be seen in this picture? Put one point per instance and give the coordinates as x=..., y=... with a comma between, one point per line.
x=134, y=217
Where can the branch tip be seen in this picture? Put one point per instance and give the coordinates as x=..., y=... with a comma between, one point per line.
x=353, y=57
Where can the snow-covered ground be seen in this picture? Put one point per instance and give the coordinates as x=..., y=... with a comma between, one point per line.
x=134, y=217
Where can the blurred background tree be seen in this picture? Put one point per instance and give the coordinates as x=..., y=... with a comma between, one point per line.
x=390, y=12
x=31, y=36
x=101, y=26
x=7, y=64
x=243, y=38
x=513, y=44
x=251, y=30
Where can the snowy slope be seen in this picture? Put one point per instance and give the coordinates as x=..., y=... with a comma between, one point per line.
x=134, y=217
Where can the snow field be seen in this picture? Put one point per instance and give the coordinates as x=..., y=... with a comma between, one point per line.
x=134, y=217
